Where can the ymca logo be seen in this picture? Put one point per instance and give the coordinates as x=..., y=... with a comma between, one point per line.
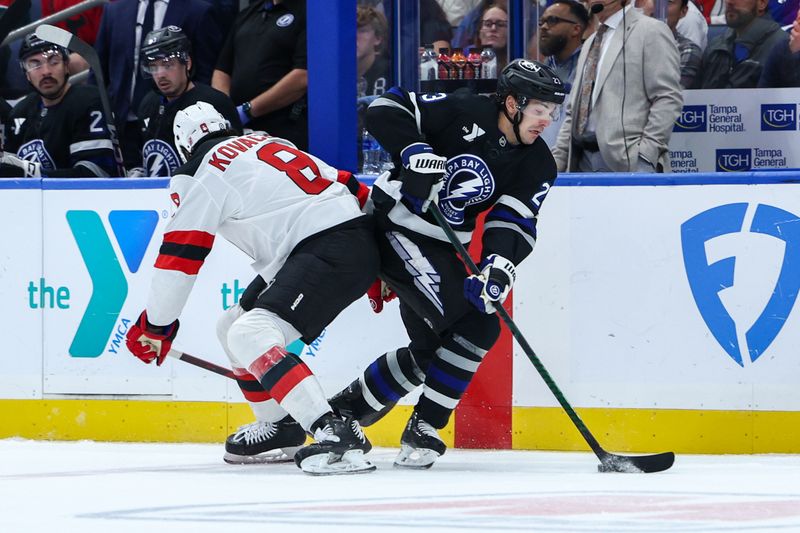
x=733, y=159
x=712, y=281
x=778, y=117
x=693, y=118
x=133, y=231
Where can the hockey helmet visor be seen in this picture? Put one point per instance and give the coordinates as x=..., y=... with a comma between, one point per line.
x=527, y=80
x=34, y=52
x=164, y=48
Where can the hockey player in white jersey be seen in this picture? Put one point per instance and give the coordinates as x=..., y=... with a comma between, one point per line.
x=300, y=222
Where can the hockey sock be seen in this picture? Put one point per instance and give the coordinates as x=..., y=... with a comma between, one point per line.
x=291, y=383
x=389, y=378
x=447, y=378
x=263, y=405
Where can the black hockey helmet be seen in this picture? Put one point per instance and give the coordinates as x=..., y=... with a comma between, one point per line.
x=169, y=41
x=529, y=80
x=31, y=44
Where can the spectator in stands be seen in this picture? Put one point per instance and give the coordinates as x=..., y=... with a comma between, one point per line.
x=599, y=133
x=59, y=130
x=464, y=34
x=263, y=68
x=123, y=27
x=693, y=26
x=735, y=58
x=456, y=10
x=561, y=28
x=371, y=65
x=782, y=67
x=166, y=57
x=691, y=55
x=433, y=26
x=493, y=32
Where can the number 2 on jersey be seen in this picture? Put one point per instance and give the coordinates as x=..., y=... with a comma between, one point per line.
x=300, y=168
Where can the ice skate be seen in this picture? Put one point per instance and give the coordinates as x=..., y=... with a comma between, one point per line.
x=420, y=445
x=339, y=449
x=345, y=403
x=265, y=442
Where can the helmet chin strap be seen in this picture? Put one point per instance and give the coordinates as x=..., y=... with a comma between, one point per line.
x=515, y=122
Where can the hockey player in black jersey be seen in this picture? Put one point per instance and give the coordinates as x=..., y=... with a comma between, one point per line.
x=60, y=130
x=166, y=56
x=470, y=154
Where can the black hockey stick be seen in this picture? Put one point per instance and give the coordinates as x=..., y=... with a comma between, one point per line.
x=207, y=365
x=609, y=461
x=12, y=14
x=71, y=42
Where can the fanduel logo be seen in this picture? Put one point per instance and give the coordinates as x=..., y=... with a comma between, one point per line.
x=133, y=231
x=709, y=280
x=693, y=118
x=778, y=117
x=733, y=159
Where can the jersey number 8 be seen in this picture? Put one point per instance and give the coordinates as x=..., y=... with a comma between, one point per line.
x=300, y=168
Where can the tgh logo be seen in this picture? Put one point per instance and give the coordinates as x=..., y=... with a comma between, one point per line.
x=709, y=280
x=133, y=231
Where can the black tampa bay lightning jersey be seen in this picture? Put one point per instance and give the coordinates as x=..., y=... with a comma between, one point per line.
x=156, y=115
x=484, y=171
x=68, y=139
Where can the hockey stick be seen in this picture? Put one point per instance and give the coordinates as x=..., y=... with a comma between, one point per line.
x=609, y=461
x=207, y=365
x=10, y=17
x=71, y=42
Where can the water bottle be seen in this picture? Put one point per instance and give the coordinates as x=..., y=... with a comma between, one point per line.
x=371, y=152
x=427, y=64
x=459, y=62
x=443, y=62
x=489, y=60
x=474, y=64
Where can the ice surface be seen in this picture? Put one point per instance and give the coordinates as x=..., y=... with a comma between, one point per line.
x=88, y=487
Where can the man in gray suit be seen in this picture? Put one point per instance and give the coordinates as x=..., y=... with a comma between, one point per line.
x=624, y=102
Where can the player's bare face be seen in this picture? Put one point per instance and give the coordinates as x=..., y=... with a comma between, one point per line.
x=47, y=72
x=170, y=75
x=536, y=116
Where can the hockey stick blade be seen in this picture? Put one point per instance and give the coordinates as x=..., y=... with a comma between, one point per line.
x=609, y=462
x=62, y=37
x=647, y=464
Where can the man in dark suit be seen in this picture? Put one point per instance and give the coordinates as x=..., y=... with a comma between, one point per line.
x=122, y=29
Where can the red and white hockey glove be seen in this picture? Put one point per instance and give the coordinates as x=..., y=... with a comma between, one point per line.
x=148, y=342
x=492, y=285
x=378, y=293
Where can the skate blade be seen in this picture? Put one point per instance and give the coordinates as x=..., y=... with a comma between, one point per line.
x=282, y=455
x=330, y=464
x=415, y=458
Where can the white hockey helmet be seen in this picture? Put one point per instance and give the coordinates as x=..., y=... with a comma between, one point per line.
x=193, y=123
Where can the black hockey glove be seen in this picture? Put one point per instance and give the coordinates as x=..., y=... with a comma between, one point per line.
x=492, y=285
x=422, y=175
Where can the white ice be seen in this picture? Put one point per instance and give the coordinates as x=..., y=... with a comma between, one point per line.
x=87, y=487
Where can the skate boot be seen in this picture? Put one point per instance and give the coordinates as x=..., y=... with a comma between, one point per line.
x=420, y=445
x=265, y=442
x=350, y=402
x=339, y=449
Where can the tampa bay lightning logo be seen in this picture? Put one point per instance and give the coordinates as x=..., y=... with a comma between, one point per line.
x=712, y=282
x=35, y=151
x=159, y=158
x=467, y=181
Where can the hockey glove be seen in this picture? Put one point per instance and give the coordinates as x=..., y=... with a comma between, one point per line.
x=492, y=285
x=149, y=342
x=378, y=293
x=422, y=175
x=13, y=166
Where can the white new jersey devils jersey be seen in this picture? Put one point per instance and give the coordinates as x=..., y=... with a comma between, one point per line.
x=262, y=194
